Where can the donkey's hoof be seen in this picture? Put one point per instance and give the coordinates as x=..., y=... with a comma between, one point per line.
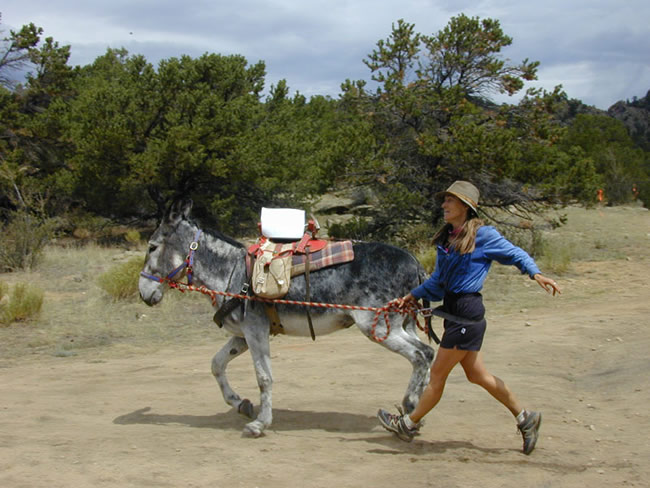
x=254, y=429
x=245, y=408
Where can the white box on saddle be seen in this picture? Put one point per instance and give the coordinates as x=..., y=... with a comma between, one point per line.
x=283, y=223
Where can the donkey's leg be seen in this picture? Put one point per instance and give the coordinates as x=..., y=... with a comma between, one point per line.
x=404, y=341
x=233, y=348
x=257, y=338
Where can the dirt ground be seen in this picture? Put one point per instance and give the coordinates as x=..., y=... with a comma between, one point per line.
x=112, y=417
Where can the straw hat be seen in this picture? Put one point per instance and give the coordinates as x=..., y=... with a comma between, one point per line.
x=464, y=191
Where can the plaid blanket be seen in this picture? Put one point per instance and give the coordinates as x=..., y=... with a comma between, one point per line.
x=336, y=252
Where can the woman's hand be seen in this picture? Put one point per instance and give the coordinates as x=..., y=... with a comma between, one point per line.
x=548, y=284
x=403, y=301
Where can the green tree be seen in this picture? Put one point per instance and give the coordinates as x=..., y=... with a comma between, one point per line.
x=32, y=151
x=16, y=52
x=464, y=56
x=538, y=125
x=432, y=119
x=141, y=132
x=198, y=127
x=614, y=155
x=102, y=122
x=205, y=112
x=288, y=153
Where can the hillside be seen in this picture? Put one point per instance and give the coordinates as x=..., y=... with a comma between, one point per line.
x=636, y=117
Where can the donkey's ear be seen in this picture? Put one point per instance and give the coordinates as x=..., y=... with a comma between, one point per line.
x=179, y=209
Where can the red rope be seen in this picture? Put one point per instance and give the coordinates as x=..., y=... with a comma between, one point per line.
x=385, y=310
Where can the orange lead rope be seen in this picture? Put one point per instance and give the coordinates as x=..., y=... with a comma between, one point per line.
x=379, y=311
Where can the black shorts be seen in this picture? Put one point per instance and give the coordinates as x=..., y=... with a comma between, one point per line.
x=468, y=337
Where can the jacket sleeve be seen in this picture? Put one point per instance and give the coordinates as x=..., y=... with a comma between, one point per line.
x=499, y=249
x=431, y=288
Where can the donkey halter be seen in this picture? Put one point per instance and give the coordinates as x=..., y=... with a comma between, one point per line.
x=187, y=264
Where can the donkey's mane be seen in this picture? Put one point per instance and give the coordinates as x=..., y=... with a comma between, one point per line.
x=217, y=234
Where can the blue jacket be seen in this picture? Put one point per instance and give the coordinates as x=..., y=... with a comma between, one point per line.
x=465, y=273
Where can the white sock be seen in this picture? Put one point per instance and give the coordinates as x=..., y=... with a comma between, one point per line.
x=408, y=422
x=521, y=417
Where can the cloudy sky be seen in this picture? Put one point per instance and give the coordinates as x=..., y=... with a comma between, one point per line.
x=598, y=50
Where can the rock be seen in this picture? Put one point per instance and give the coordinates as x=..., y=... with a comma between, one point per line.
x=342, y=202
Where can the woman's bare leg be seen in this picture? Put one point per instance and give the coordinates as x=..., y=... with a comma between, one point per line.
x=477, y=373
x=442, y=365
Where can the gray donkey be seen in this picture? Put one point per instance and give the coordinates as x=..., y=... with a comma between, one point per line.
x=378, y=273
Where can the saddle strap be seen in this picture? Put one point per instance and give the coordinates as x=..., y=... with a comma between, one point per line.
x=225, y=310
x=308, y=294
x=275, y=325
x=229, y=306
x=304, y=243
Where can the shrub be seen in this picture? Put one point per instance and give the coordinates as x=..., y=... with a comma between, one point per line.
x=22, y=240
x=85, y=226
x=416, y=237
x=556, y=257
x=526, y=237
x=644, y=193
x=133, y=237
x=356, y=228
x=20, y=304
x=121, y=281
x=3, y=290
x=427, y=258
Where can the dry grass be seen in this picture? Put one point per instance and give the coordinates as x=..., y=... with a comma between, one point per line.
x=20, y=304
x=79, y=318
x=121, y=281
x=590, y=236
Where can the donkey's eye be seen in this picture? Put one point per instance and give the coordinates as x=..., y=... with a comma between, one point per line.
x=152, y=248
